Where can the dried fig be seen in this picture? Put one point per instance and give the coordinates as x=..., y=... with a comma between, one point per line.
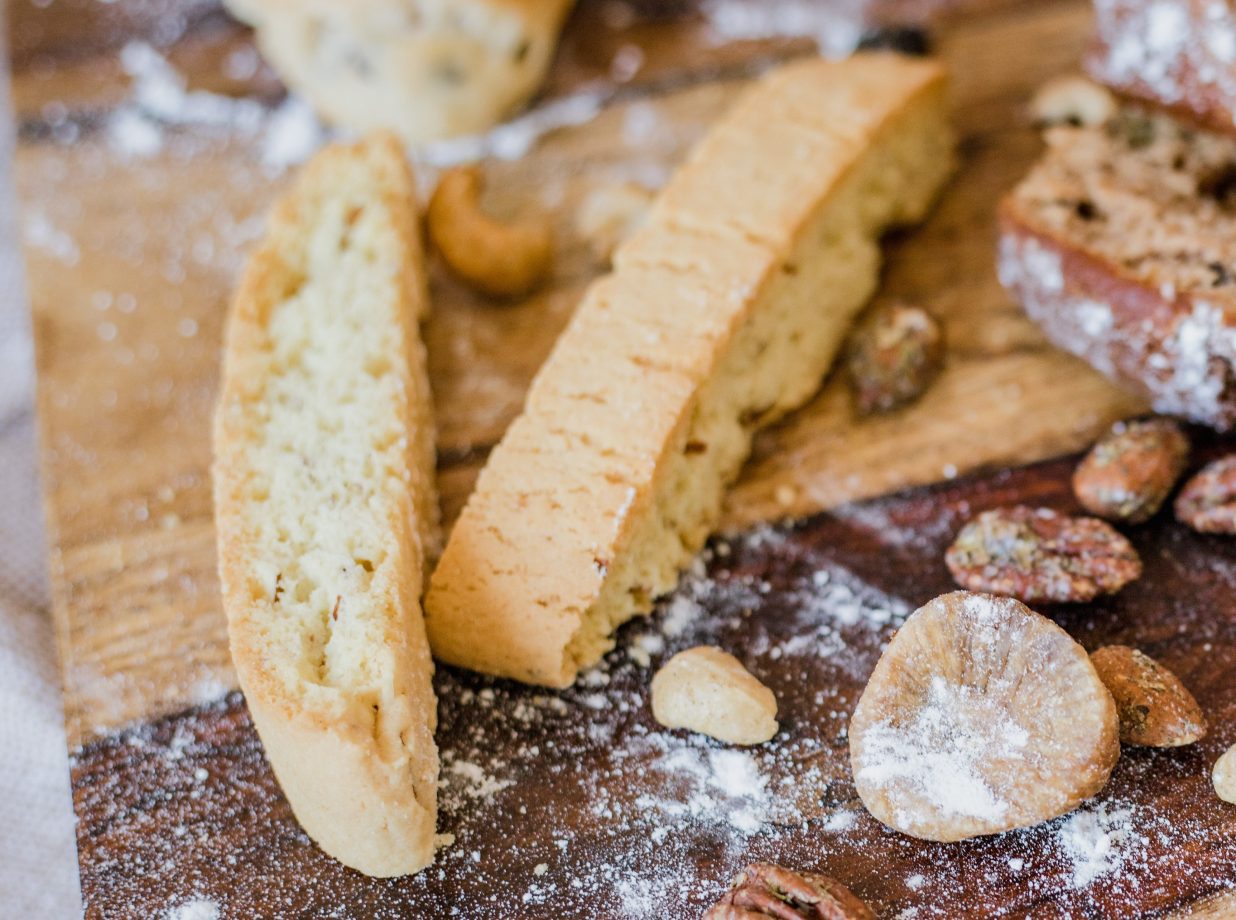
x=981, y=716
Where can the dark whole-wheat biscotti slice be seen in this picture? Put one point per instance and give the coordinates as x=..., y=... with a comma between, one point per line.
x=326, y=508
x=1121, y=245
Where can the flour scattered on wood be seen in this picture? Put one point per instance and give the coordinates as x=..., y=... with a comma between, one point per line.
x=836, y=27
x=197, y=909
x=1098, y=841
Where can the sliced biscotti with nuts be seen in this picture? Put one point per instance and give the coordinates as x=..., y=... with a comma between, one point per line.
x=1179, y=54
x=326, y=508
x=723, y=313
x=1119, y=245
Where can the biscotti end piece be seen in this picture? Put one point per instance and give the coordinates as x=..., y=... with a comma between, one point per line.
x=723, y=313
x=1175, y=54
x=427, y=69
x=1119, y=245
x=325, y=507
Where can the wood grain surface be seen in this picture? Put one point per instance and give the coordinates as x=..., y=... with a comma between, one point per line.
x=582, y=787
x=130, y=263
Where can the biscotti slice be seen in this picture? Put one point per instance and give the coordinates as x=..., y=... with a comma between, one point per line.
x=425, y=68
x=1121, y=245
x=1179, y=54
x=723, y=313
x=326, y=509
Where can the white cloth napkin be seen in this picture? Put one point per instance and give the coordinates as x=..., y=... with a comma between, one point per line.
x=38, y=855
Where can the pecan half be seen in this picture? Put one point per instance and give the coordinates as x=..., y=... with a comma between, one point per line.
x=1036, y=554
x=1207, y=503
x=763, y=891
x=1128, y=474
x=1155, y=708
x=892, y=357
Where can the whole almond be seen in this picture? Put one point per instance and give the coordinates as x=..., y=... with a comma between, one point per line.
x=1155, y=708
x=1207, y=503
x=1129, y=473
x=1224, y=775
x=763, y=890
x=1036, y=554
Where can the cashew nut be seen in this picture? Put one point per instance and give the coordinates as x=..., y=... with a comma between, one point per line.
x=501, y=260
x=707, y=690
x=1072, y=100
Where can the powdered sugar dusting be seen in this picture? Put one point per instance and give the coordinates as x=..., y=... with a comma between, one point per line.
x=1098, y=840
x=835, y=27
x=1187, y=366
x=940, y=753
x=1169, y=48
x=197, y=909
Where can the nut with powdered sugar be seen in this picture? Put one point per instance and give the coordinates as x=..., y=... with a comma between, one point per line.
x=1223, y=776
x=763, y=890
x=1128, y=474
x=708, y=691
x=981, y=716
x=1036, y=554
x=1155, y=708
x=1207, y=503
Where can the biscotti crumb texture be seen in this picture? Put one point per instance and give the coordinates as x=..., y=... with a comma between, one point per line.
x=723, y=313
x=427, y=69
x=326, y=508
x=1119, y=245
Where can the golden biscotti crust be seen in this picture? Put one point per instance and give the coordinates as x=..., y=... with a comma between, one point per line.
x=723, y=313
x=325, y=506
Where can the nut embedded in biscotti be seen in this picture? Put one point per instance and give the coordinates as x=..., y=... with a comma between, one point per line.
x=1223, y=776
x=1129, y=473
x=1072, y=100
x=610, y=214
x=1037, y=554
x=500, y=260
x=763, y=890
x=981, y=716
x=1207, y=503
x=708, y=691
x=892, y=357
x=1155, y=708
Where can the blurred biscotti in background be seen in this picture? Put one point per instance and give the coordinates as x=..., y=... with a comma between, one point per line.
x=426, y=69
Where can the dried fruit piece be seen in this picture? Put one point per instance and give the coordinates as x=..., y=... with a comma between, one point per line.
x=981, y=716
x=707, y=690
x=1155, y=708
x=764, y=890
x=1036, y=554
x=1224, y=775
x=1128, y=474
x=893, y=356
x=1207, y=503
